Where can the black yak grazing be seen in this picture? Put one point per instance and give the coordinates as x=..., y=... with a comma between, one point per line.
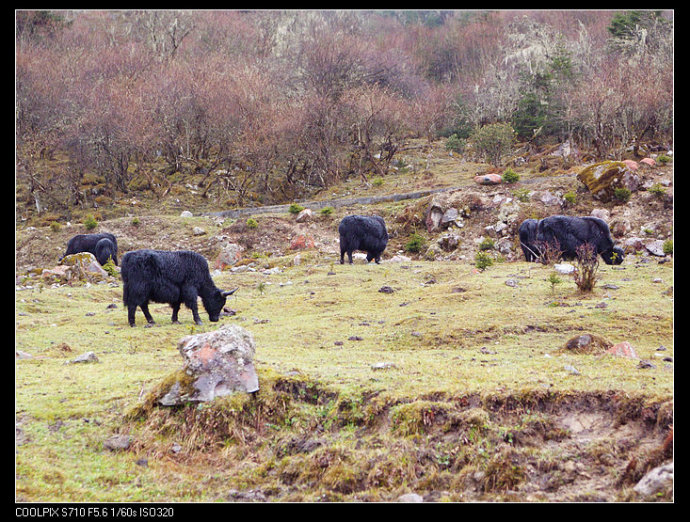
x=105, y=249
x=169, y=277
x=367, y=233
x=567, y=233
x=90, y=242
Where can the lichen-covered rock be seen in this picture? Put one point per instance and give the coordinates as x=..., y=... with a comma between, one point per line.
x=78, y=267
x=602, y=179
x=217, y=364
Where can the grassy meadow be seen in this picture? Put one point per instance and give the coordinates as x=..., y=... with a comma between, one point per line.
x=353, y=382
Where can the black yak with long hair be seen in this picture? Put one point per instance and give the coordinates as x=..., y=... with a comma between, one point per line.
x=367, y=233
x=169, y=277
x=94, y=244
x=567, y=233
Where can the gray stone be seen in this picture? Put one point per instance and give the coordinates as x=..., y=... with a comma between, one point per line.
x=655, y=481
x=410, y=497
x=217, y=364
x=118, y=442
x=87, y=357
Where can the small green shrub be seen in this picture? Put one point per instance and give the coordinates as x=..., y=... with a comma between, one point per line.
x=668, y=246
x=570, y=197
x=622, y=194
x=554, y=280
x=136, y=222
x=295, y=208
x=251, y=223
x=415, y=244
x=483, y=260
x=487, y=244
x=510, y=176
x=327, y=211
x=377, y=181
x=55, y=226
x=90, y=222
x=657, y=189
x=454, y=143
x=663, y=159
x=521, y=195
x=494, y=141
x=109, y=267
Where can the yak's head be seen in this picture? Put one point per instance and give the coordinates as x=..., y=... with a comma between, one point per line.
x=215, y=302
x=614, y=256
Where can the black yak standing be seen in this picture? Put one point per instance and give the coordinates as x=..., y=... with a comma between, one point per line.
x=567, y=233
x=169, y=277
x=367, y=233
x=93, y=243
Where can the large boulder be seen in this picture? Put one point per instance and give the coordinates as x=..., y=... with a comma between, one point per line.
x=602, y=179
x=73, y=268
x=230, y=253
x=217, y=364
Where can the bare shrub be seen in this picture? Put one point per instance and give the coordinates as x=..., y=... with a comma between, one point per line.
x=548, y=253
x=585, y=274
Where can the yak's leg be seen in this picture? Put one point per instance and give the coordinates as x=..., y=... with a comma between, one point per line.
x=189, y=296
x=147, y=314
x=349, y=256
x=176, y=309
x=131, y=312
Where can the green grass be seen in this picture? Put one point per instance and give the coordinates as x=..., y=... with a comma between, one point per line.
x=448, y=329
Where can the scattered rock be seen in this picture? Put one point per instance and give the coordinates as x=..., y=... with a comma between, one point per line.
x=118, y=443
x=648, y=162
x=301, y=242
x=564, y=268
x=251, y=495
x=87, y=357
x=410, y=497
x=571, y=369
x=230, y=253
x=488, y=179
x=655, y=481
x=386, y=290
x=398, y=259
x=449, y=242
x=623, y=349
x=588, y=343
x=185, y=213
x=304, y=216
x=632, y=165
x=198, y=231
x=655, y=247
x=450, y=217
x=383, y=366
